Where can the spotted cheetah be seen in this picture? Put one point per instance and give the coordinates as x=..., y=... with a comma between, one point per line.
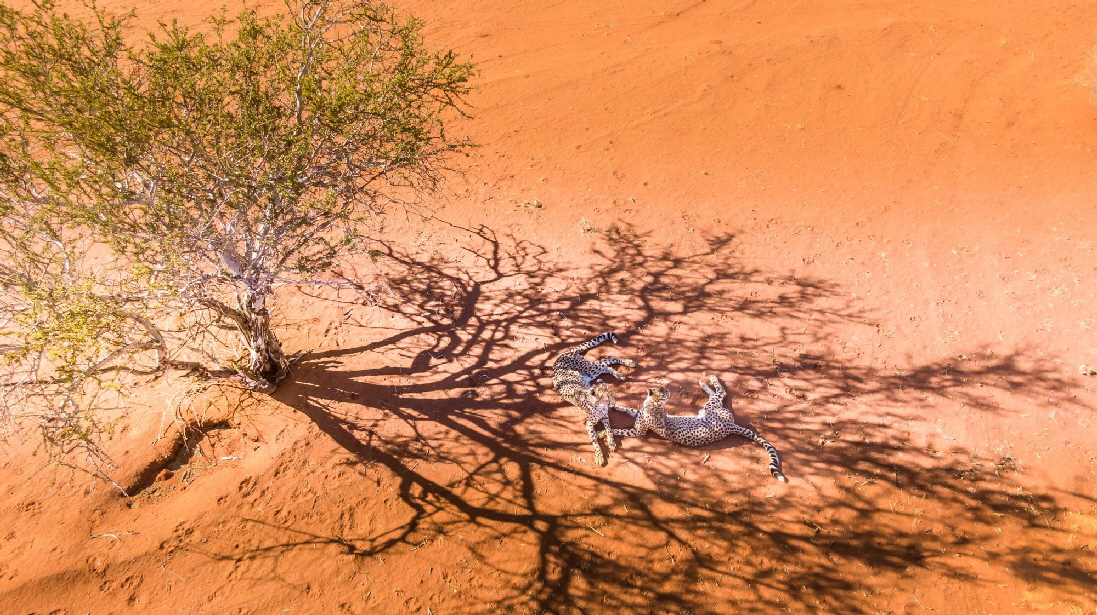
x=572, y=375
x=712, y=423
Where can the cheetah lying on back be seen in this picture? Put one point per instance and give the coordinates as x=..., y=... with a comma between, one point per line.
x=712, y=423
x=572, y=375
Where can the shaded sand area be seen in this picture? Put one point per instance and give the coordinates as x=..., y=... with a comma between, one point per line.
x=873, y=221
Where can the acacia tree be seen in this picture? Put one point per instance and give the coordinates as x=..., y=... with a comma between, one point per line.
x=153, y=194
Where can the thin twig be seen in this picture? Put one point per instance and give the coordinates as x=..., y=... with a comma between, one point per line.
x=113, y=535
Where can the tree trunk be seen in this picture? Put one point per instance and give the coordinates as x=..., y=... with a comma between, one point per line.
x=266, y=359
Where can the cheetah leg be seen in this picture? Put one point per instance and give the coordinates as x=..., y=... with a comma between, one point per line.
x=716, y=392
x=629, y=411
x=599, y=458
x=599, y=370
x=635, y=432
x=609, y=434
x=612, y=372
x=608, y=361
x=639, y=427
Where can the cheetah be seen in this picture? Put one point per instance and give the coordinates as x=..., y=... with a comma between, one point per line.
x=712, y=423
x=572, y=375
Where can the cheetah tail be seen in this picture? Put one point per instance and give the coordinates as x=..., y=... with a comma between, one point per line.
x=608, y=336
x=774, y=460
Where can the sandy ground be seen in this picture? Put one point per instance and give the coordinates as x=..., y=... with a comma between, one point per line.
x=873, y=221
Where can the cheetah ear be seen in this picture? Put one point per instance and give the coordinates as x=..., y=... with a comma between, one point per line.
x=651, y=391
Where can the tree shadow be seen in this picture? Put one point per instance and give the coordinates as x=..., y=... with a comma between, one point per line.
x=461, y=421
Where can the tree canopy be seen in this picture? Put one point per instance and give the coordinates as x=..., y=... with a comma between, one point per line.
x=155, y=192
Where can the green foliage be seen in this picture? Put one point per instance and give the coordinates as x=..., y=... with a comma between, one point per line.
x=63, y=332
x=301, y=128
x=203, y=169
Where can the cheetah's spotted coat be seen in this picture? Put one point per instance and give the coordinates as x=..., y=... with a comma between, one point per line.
x=572, y=375
x=713, y=422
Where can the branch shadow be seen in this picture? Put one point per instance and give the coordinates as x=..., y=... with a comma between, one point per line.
x=461, y=420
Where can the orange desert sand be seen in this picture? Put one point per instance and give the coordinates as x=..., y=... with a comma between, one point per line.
x=874, y=221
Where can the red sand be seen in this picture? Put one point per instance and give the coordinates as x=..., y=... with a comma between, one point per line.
x=873, y=221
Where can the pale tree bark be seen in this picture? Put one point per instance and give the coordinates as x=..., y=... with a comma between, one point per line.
x=266, y=359
x=267, y=362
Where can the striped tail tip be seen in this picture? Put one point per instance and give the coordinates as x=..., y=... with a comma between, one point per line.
x=777, y=474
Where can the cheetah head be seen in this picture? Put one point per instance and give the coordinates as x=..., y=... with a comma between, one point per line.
x=654, y=410
x=656, y=402
x=603, y=396
x=657, y=396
